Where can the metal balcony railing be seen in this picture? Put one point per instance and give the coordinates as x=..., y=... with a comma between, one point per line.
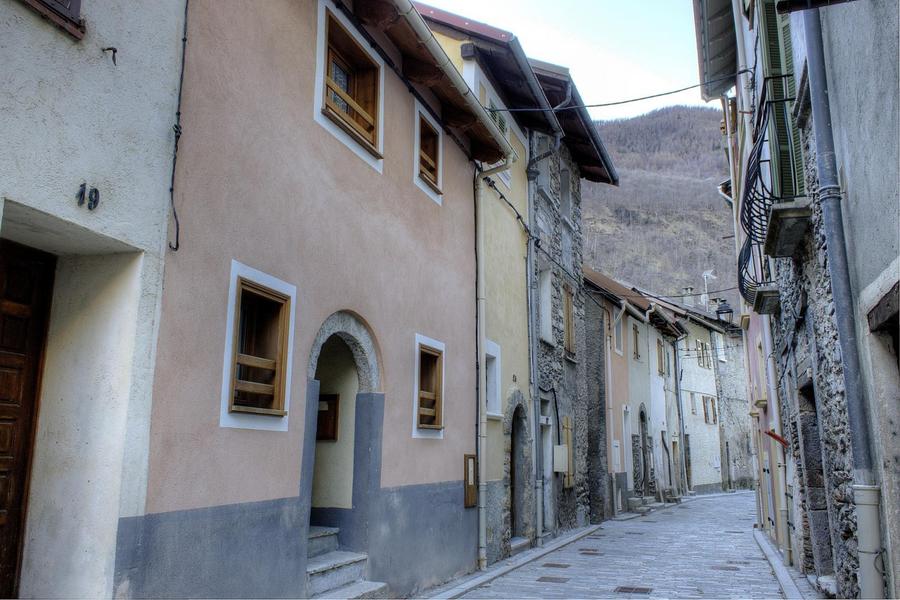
x=759, y=193
x=747, y=283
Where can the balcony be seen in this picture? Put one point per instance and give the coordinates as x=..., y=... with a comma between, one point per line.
x=776, y=219
x=763, y=296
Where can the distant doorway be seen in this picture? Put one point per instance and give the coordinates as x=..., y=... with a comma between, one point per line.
x=518, y=473
x=26, y=282
x=338, y=386
x=645, y=452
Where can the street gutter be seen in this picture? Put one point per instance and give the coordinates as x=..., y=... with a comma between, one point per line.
x=510, y=564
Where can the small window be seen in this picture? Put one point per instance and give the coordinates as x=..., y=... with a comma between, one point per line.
x=693, y=403
x=636, y=335
x=260, y=350
x=431, y=382
x=709, y=410
x=618, y=334
x=565, y=194
x=660, y=358
x=499, y=118
x=65, y=14
x=429, y=155
x=546, y=306
x=569, y=319
x=492, y=377
x=351, y=86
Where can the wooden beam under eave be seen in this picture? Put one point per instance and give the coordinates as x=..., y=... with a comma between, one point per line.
x=456, y=118
x=376, y=13
x=485, y=153
x=421, y=72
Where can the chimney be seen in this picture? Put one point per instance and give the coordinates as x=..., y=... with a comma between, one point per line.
x=688, y=298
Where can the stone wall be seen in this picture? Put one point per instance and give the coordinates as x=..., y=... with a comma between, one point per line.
x=559, y=371
x=805, y=332
x=595, y=323
x=734, y=413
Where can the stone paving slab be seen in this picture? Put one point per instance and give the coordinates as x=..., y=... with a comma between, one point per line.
x=706, y=550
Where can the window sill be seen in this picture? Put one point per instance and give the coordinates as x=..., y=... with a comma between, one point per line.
x=272, y=412
x=494, y=416
x=70, y=26
x=569, y=356
x=430, y=427
x=349, y=130
x=548, y=343
x=434, y=188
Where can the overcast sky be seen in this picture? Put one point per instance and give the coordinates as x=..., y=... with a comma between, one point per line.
x=615, y=49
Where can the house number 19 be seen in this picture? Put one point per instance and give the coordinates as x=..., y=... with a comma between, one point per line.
x=93, y=196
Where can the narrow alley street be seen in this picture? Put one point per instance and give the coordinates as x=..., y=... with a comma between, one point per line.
x=701, y=548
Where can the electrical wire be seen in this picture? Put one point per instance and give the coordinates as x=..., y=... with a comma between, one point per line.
x=628, y=101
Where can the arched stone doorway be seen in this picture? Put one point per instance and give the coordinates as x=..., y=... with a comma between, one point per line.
x=341, y=468
x=518, y=472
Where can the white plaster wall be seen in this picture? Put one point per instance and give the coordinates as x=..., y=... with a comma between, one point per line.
x=69, y=116
x=73, y=503
x=706, y=465
x=658, y=416
x=333, y=471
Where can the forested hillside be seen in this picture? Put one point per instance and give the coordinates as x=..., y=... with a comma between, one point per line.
x=665, y=224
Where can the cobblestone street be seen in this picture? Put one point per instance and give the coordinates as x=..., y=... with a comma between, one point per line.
x=703, y=548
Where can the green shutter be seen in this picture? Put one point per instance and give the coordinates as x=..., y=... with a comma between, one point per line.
x=782, y=163
x=788, y=67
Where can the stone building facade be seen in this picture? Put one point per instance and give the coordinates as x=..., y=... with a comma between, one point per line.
x=819, y=265
x=562, y=384
x=734, y=421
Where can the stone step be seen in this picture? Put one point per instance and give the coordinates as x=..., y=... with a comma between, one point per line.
x=518, y=545
x=357, y=589
x=333, y=570
x=321, y=540
x=642, y=510
x=634, y=502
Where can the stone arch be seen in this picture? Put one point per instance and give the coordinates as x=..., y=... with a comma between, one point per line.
x=354, y=332
x=517, y=408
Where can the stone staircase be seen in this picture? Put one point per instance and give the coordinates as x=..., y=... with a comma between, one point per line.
x=334, y=573
x=647, y=504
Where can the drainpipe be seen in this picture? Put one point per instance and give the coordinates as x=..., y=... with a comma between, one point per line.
x=676, y=366
x=482, y=375
x=537, y=445
x=865, y=490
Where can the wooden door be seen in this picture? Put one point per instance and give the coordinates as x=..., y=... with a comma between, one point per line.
x=26, y=281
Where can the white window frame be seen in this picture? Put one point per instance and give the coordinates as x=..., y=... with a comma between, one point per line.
x=493, y=388
x=618, y=331
x=545, y=305
x=417, y=432
x=239, y=420
x=319, y=97
x=421, y=112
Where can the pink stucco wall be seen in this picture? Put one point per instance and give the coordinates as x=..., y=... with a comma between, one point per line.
x=260, y=182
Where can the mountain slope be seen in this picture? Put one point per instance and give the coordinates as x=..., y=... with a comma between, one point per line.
x=665, y=224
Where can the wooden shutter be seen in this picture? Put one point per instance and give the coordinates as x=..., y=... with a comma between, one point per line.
x=780, y=132
x=791, y=82
x=569, y=479
x=705, y=410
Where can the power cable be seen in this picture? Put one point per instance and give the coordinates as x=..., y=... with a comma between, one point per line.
x=619, y=102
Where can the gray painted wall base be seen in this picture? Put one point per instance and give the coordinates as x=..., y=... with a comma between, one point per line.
x=240, y=550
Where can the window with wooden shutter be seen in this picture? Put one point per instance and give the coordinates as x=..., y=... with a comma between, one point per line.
x=65, y=14
x=784, y=138
x=260, y=349
x=660, y=358
x=429, y=413
x=429, y=155
x=351, y=86
x=569, y=319
x=705, y=409
x=636, y=334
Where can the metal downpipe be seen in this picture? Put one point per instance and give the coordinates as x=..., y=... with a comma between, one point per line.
x=866, y=492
